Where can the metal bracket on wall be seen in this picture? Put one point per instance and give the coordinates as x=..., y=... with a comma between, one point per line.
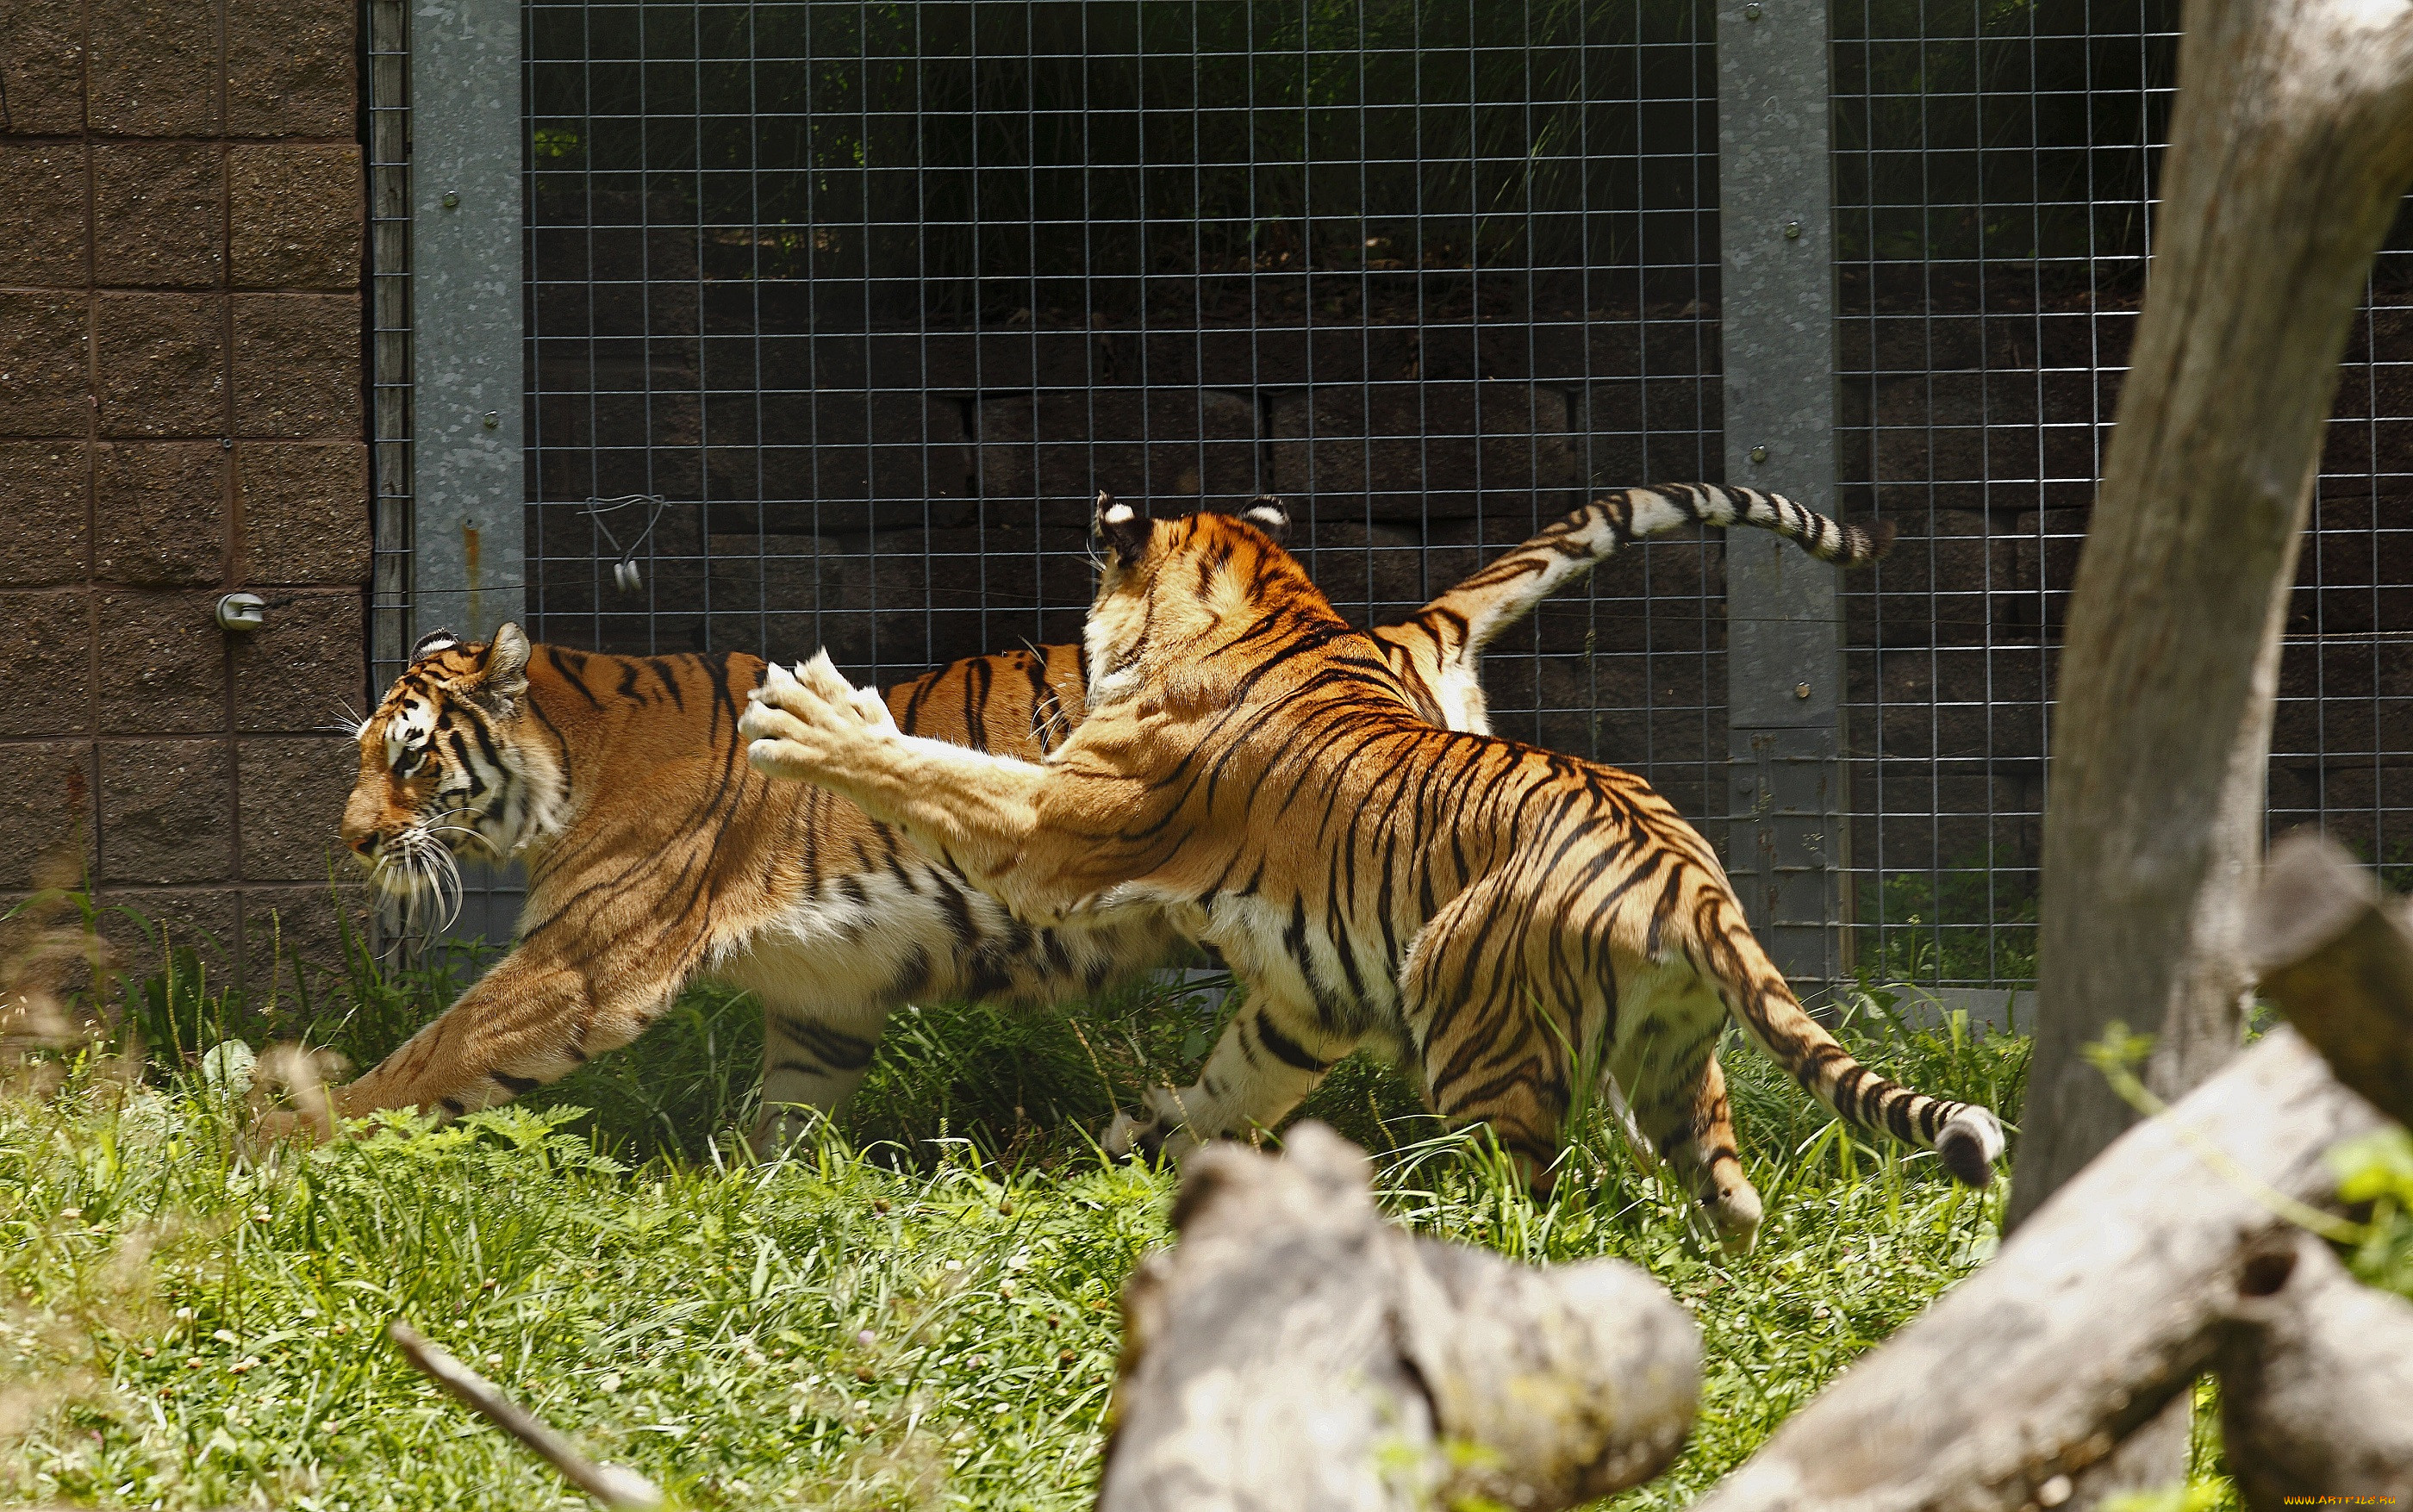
x=1786, y=839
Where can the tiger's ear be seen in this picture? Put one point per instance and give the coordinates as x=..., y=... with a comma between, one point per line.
x=503, y=675
x=1122, y=527
x=433, y=641
x=1267, y=513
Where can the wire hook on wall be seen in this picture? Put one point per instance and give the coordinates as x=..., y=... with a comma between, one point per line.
x=625, y=572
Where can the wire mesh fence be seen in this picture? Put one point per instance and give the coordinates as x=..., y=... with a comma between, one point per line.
x=873, y=298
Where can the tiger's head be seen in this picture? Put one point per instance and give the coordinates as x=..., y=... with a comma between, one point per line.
x=446, y=770
x=1171, y=593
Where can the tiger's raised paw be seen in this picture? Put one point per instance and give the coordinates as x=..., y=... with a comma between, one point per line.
x=801, y=724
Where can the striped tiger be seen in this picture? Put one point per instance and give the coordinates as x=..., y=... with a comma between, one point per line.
x=1517, y=927
x=656, y=855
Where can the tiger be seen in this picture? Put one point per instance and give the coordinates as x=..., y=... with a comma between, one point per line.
x=1513, y=925
x=656, y=855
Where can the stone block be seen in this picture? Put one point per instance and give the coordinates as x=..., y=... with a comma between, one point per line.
x=293, y=939
x=162, y=663
x=161, y=510
x=290, y=794
x=157, y=214
x=1440, y=450
x=1954, y=704
x=44, y=538
x=152, y=72
x=46, y=678
x=2046, y=544
x=296, y=215
x=305, y=511
x=297, y=365
x=290, y=68
x=205, y=921
x=1949, y=580
x=41, y=66
x=841, y=462
x=44, y=361
x=1176, y=449
x=291, y=674
x=162, y=365
x=166, y=815
x=45, y=813
x=42, y=227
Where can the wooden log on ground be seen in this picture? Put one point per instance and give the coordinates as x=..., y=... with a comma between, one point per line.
x=2339, y=962
x=1296, y=1352
x=2104, y=1305
x=2316, y=1380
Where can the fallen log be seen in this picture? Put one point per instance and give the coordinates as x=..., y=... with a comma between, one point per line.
x=2104, y=1305
x=2316, y=1380
x=2339, y=963
x=1296, y=1352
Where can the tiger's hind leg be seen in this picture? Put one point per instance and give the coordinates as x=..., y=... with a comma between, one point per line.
x=1267, y=1059
x=1497, y=1042
x=1665, y=1064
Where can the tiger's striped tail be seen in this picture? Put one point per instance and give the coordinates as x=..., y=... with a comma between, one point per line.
x=1966, y=1136
x=1499, y=595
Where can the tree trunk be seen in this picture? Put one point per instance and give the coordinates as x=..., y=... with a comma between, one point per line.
x=2098, y=1313
x=2290, y=146
x=1295, y=1352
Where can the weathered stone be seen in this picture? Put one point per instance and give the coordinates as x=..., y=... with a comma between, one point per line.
x=289, y=68
x=43, y=231
x=43, y=358
x=1427, y=450
x=1173, y=450
x=166, y=815
x=43, y=521
x=45, y=813
x=293, y=938
x=290, y=799
x=1955, y=704
x=41, y=66
x=151, y=73
x=162, y=365
x=297, y=365
x=204, y=920
x=292, y=674
x=2046, y=546
x=840, y=464
x=1949, y=580
x=162, y=513
x=157, y=210
x=305, y=511
x=296, y=214
x=162, y=663
x=46, y=678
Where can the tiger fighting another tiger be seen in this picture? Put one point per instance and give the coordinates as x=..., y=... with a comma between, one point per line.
x=1513, y=925
x=656, y=855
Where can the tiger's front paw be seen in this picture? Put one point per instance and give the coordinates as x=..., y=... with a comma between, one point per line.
x=802, y=725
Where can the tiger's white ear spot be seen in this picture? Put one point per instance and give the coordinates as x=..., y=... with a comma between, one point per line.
x=1118, y=514
x=1269, y=515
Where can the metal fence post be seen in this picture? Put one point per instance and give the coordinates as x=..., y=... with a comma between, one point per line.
x=465, y=213
x=1785, y=847
x=469, y=477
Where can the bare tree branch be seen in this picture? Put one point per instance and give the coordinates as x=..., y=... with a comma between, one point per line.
x=615, y=1485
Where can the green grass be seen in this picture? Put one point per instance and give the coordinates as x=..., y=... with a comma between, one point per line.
x=919, y=1310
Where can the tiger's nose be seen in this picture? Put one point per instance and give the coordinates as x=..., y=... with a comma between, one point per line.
x=366, y=844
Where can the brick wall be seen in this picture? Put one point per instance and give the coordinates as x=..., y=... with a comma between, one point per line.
x=181, y=415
